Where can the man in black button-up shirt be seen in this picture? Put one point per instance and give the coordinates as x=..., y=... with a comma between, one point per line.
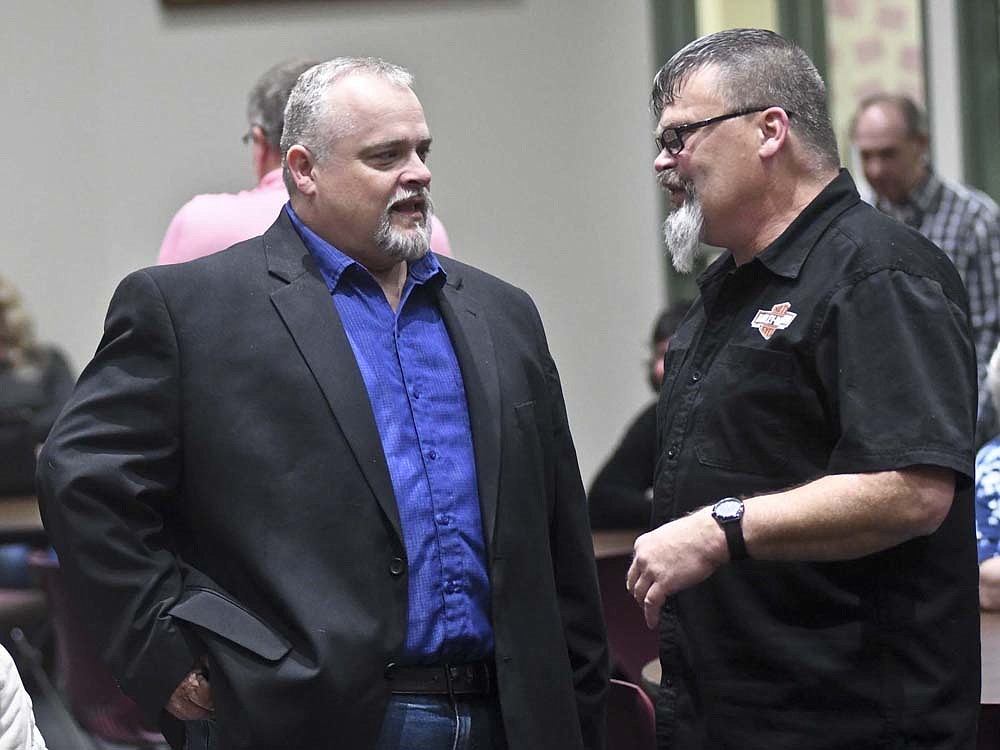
x=825, y=383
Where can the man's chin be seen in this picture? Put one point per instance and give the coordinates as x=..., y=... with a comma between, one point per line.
x=405, y=245
x=404, y=221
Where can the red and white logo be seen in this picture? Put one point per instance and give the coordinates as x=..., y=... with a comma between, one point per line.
x=778, y=318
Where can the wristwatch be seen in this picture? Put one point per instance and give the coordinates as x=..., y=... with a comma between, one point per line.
x=728, y=513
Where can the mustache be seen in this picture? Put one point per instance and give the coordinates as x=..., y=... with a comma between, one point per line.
x=402, y=195
x=672, y=181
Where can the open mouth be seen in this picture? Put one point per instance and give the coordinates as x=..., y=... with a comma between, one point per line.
x=410, y=207
x=677, y=195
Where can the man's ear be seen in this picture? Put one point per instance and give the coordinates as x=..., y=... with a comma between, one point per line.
x=773, y=131
x=300, y=164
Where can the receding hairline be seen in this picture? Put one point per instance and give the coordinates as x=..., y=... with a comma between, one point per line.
x=357, y=98
x=904, y=110
x=356, y=76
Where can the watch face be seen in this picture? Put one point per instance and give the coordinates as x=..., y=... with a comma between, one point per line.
x=728, y=509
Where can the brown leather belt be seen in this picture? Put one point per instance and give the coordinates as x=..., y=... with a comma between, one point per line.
x=450, y=679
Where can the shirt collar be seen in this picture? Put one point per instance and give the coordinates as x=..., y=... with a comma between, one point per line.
x=787, y=254
x=333, y=263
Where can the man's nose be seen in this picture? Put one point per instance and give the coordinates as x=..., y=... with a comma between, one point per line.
x=416, y=173
x=873, y=167
x=664, y=160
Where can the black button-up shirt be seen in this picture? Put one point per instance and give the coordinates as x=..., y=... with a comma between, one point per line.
x=843, y=347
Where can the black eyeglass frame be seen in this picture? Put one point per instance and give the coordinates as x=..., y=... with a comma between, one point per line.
x=675, y=143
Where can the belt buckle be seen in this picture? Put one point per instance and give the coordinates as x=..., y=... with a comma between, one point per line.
x=454, y=674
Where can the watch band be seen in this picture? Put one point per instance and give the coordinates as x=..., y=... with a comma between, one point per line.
x=734, y=540
x=728, y=513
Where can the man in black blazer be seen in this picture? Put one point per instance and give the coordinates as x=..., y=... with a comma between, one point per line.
x=319, y=489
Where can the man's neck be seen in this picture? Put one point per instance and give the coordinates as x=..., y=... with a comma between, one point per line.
x=391, y=280
x=775, y=211
x=269, y=161
x=389, y=273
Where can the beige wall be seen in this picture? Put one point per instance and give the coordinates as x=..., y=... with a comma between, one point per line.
x=873, y=47
x=117, y=111
x=716, y=15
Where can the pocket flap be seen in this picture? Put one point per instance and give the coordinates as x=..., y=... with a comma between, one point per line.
x=226, y=618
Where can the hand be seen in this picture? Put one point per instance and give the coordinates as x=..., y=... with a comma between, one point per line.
x=673, y=557
x=192, y=699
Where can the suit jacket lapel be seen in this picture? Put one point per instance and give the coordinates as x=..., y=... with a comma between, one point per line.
x=473, y=343
x=308, y=312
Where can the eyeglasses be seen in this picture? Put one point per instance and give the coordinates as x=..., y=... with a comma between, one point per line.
x=671, y=141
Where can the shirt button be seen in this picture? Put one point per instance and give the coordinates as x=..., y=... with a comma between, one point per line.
x=695, y=376
x=416, y=394
x=672, y=452
x=443, y=519
x=432, y=455
x=397, y=565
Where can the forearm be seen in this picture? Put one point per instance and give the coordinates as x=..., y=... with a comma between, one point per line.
x=837, y=517
x=846, y=516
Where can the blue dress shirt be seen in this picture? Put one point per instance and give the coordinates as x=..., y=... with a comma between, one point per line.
x=417, y=395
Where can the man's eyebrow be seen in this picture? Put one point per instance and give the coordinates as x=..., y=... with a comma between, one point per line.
x=658, y=131
x=396, y=142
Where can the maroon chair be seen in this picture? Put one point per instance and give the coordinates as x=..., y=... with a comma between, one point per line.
x=631, y=643
x=95, y=700
x=631, y=718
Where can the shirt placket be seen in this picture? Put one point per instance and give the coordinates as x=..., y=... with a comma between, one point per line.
x=719, y=320
x=446, y=539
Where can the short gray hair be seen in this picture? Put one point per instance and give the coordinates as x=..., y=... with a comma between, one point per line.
x=758, y=68
x=267, y=99
x=308, y=116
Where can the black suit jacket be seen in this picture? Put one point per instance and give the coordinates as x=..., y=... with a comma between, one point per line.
x=217, y=486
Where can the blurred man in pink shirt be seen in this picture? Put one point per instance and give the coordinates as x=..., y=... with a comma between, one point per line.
x=214, y=221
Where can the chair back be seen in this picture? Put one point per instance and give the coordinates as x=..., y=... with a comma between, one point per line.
x=631, y=718
x=631, y=643
x=95, y=700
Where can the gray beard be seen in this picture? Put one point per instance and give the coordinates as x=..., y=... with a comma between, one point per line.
x=682, y=233
x=405, y=246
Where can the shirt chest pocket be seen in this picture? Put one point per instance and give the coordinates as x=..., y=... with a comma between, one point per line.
x=745, y=412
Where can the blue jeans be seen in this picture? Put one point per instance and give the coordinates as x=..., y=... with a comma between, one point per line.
x=412, y=722
x=434, y=722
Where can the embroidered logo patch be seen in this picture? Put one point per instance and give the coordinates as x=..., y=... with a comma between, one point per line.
x=778, y=318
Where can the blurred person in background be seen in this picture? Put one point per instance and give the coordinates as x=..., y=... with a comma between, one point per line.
x=35, y=382
x=212, y=222
x=622, y=490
